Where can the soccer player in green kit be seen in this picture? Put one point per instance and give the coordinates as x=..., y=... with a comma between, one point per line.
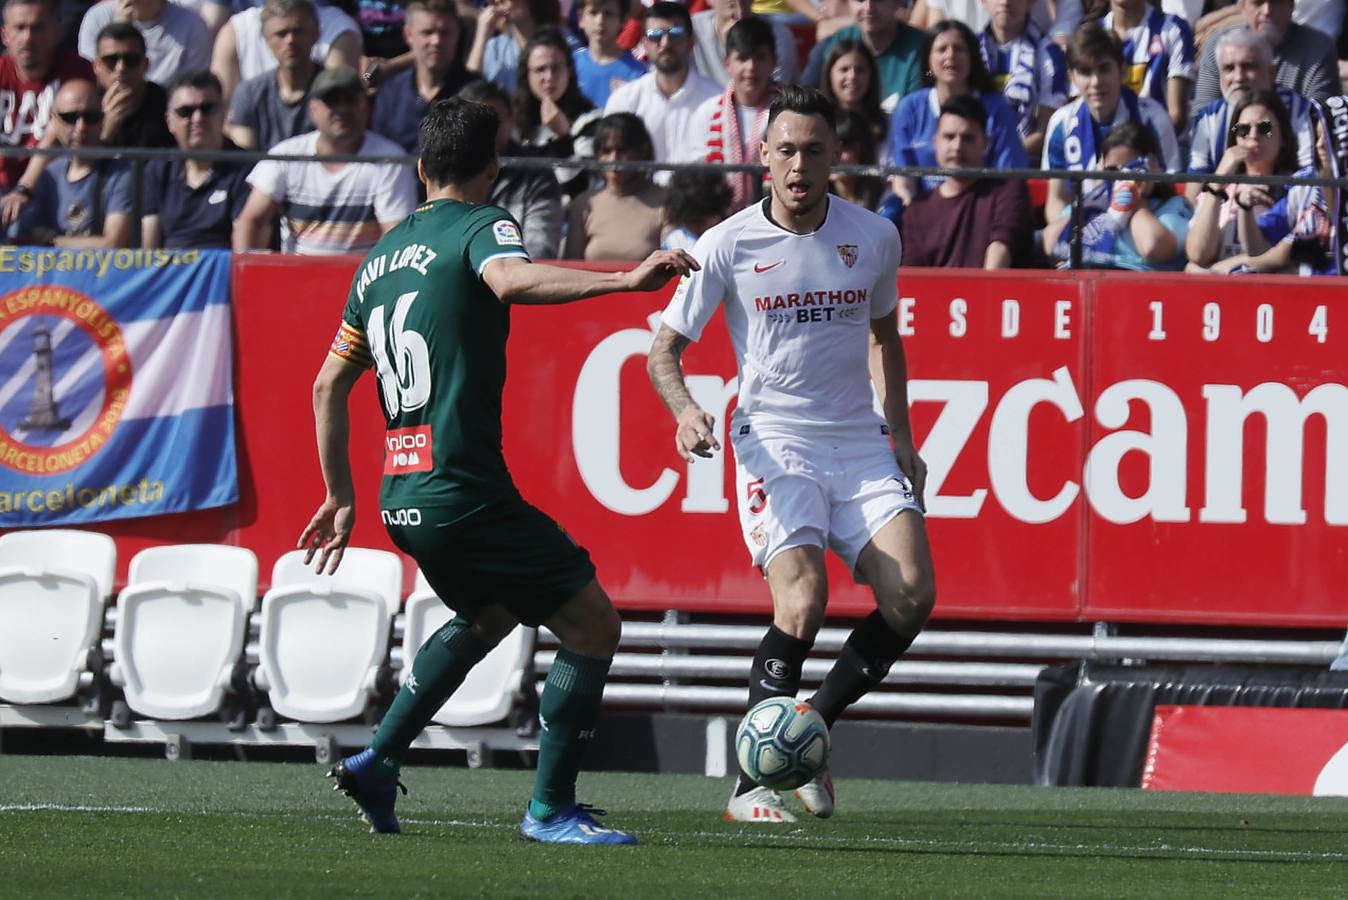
x=429, y=310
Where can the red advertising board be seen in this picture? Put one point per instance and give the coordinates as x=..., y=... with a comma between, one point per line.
x=587, y=438
x=1096, y=444
x=1213, y=404
x=1238, y=749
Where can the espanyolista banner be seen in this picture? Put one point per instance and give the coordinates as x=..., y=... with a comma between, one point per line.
x=116, y=396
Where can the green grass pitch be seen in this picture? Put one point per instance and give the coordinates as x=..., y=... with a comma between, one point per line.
x=74, y=827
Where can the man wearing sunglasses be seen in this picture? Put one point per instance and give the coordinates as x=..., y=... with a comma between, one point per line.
x=667, y=96
x=194, y=202
x=176, y=37
x=133, y=108
x=80, y=202
x=328, y=208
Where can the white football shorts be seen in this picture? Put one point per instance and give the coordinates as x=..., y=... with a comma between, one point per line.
x=810, y=491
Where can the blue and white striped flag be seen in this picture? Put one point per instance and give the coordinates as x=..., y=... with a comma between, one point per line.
x=116, y=397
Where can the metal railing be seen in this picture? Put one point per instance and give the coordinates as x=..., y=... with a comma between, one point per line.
x=138, y=156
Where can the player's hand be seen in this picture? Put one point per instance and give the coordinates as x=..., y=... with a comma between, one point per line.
x=656, y=269
x=695, y=434
x=327, y=534
x=912, y=465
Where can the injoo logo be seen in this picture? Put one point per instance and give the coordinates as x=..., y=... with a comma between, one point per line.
x=401, y=516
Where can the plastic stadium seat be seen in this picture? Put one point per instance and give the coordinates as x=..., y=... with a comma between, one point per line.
x=490, y=690
x=325, y=637
x=53, y=587
x=181, y=623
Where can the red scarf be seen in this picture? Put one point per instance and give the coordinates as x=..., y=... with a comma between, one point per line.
x=725, y=144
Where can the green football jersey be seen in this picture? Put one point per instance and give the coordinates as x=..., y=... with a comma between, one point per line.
x=421, y=316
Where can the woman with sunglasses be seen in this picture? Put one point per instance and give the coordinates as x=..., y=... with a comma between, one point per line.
x=1235, y=226
x=954, y=68
x=552, y=116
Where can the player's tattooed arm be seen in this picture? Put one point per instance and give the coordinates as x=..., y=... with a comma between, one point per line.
x=665, y=366
x=695, y=433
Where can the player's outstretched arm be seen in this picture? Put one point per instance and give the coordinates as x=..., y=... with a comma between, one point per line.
x=516, y=280
x=694, y=434
x=892, y=367
x=329, y=530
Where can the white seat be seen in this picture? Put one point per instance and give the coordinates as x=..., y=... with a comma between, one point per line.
x=324, y=637
x=181, y=623
x=53, y=587
x=490, y=690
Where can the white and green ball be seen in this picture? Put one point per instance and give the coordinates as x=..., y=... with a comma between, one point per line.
x=782, y=743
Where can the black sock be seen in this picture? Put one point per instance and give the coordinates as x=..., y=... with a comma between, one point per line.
x=775, y=673
x=863, y=663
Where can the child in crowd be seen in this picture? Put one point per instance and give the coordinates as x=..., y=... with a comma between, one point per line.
x=603, y=65
x=1138, y=225
x=623, y=218
x=696, y=202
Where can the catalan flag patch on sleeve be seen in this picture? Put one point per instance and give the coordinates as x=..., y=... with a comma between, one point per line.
x=350, y=346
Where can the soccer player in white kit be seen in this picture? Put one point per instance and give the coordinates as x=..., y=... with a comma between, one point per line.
x=808, y=282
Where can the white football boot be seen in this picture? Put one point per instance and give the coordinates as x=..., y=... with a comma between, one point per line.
x=817, y=795
x=761, y=805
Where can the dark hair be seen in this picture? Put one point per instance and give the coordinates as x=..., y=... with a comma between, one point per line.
x=200, y=79
x=481, y=90
x=870, y=101
x=1138, y=138
x=457, y=139
x=749, y=35
x=1133, y=135
x=669, y=11
x=1287, y=148
x=631, y=132
x=694, y=195
x=1090, y=44
x=980, y=82
x=969, y=108
x=545, y=12
x=805, y=101
x=572, y=101
x=854, y=129
x=121, y=31
x=623, y=6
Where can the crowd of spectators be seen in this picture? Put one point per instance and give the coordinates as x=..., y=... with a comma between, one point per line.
x=1217, y=88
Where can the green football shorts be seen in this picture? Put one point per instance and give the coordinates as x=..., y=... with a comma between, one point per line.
x=504, y=552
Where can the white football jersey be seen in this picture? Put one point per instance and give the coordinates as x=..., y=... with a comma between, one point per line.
x=799, y=308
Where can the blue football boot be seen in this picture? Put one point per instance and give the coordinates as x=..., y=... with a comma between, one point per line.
x=573, y=825
x=374, y=795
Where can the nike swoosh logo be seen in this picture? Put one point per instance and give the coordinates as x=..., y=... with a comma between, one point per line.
x=760, y=269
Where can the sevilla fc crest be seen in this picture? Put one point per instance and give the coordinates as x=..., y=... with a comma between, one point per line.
x=848, y=254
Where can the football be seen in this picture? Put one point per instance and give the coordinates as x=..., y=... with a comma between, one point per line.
x=782, y=743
